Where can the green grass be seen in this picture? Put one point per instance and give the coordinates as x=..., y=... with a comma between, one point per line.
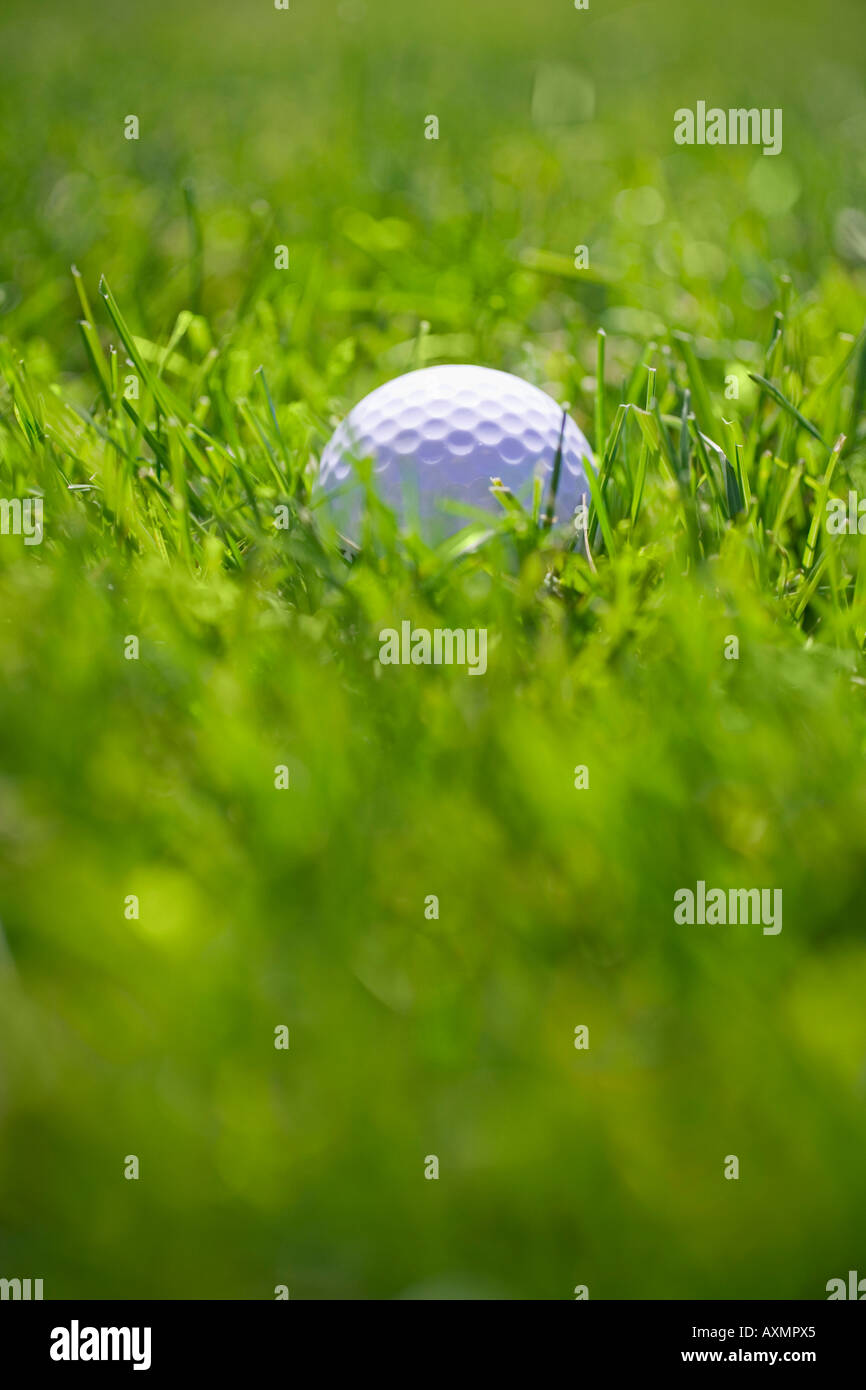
x=257, y=648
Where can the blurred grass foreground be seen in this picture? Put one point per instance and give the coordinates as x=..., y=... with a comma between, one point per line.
x=283, y=925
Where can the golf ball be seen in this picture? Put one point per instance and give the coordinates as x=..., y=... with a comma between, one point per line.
x=441, y=434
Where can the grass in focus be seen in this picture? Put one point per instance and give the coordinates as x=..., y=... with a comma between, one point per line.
x=258, y=645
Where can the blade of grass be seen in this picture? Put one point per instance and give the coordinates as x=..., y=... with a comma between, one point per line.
x=648, y=442
x=821, y=504
x=599, y=394
x=768, y=388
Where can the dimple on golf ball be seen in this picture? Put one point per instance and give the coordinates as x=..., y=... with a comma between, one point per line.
x=441, y=434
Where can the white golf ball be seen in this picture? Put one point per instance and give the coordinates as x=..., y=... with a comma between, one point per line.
x=441, y=434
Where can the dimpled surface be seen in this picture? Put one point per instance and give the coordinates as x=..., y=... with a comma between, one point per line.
x=443, y=432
